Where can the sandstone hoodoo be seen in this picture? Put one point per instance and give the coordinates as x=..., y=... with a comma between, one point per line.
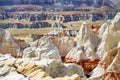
x=102, y=29
x=84, y=53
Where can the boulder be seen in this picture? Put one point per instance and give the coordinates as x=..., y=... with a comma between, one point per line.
x=4, y=70
x=48, y=51
x=49, y=65
x=39, y=69
x=87, y=38
x=76, y=54
x=69, y=70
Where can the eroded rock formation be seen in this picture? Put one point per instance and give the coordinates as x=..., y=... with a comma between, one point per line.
x=61, y=44
x=84, y=53
x=8, y=45
x=109, y=41
x=45, y=69
x=108, y=67
x=53, y=57
x=115, y=23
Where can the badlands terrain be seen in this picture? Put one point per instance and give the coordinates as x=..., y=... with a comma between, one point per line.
x=92, y=53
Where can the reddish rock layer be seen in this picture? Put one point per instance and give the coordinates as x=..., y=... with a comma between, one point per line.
x=88, y=64
x=95, y=28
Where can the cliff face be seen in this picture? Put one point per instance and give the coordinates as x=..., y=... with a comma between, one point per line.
x=96, y=3
x=20, y=25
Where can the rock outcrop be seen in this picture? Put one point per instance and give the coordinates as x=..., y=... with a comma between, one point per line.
x=61, y=44
x=8, y=45
x=84, y=53
x=87, y=38
x=69, y=70
x=108, y=44
x=45, y=69
x=115, y=23
x=42, y=49
x=102, y=29
x=108, y=67
x=7, y=69
x=30, y=25
x=21, y=43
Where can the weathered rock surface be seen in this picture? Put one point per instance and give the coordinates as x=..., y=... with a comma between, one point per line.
x=21, y=43
x=7, y=69
x=115, y=23
x=42, y=49
x=102, y=29
x=87, y=38
x=108, y=68
x=8, y=45
x=69, y=70
x=109, y=41
x=77, y=56
x=63, y=43
x=45, y=69
x=85, y=34
x=84, y=53
x=60, y=44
